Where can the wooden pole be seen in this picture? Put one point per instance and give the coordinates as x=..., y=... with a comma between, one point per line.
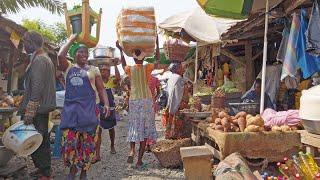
x=249, y=64
x=265, y=51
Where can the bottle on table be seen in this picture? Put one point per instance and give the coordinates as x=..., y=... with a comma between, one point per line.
x=304, y=160
x=302, y=166
x=293, y=168
x=312, y=164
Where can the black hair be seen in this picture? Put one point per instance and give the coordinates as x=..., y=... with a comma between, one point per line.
x=137, y=52
x=258, y=81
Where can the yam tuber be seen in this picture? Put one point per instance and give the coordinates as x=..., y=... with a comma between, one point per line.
x=226, y=124
x=241, y=114
x=248, y=116
x=294, y=128
x=276, y=128
x=285, y=128
x=242, y=123
x=261, y=129
x=252, y=128
x=219, y=127
x=257, y=120
x=217, y=121
x=223, y=114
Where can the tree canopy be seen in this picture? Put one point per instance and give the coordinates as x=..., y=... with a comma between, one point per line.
x=14, y=6
x=56, y=33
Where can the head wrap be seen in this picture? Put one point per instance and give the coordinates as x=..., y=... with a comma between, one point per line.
x=173, y=67
x=74, y=48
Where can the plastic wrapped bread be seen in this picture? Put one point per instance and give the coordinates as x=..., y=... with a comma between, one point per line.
x=136, y=29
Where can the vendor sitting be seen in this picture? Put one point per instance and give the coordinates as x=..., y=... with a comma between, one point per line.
x=255, y=94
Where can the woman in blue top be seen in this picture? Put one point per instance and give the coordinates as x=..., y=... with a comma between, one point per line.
x=79, y=119
x=254, y=95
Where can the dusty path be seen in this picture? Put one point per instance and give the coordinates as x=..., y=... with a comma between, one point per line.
x=113, y=167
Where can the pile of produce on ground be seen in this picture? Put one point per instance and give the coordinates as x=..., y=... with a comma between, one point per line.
x=136, y=29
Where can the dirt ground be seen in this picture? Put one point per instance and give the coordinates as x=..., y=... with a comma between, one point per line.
x=114, y=166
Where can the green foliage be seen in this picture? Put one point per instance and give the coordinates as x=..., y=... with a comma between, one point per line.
x=56, y=33
x=14, y=6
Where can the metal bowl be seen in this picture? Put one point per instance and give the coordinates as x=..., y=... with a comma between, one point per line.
x=5, y=155
x=101, y=52
x=311, y=126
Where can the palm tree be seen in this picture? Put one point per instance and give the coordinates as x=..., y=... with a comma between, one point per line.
x=13, y=6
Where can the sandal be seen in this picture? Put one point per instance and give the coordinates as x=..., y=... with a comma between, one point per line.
x=143, y=166
x=113, y=152
x=130, y=159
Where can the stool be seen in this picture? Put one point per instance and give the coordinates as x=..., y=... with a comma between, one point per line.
x=197, y=162
x=311, y=141
x=56, y=153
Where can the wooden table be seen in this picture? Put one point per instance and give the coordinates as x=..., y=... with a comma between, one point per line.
x=267, y=145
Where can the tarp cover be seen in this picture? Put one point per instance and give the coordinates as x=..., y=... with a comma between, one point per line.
x=199, y=25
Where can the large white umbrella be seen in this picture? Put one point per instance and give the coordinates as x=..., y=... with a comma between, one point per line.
x=197, y=24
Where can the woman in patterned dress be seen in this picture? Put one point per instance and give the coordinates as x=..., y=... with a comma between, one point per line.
x=79, y=119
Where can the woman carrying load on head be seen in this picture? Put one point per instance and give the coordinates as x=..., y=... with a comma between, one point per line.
x=79, y=119
x=141, y=112
x=177, y=126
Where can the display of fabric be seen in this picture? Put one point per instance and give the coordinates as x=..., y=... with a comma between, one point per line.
x=309, y=64
x=284, y=44
x=290, y=63
x=274, y=118
x=313, y=33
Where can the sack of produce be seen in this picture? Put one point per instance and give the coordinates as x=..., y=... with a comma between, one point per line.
x=175, y=49
x=136, y=29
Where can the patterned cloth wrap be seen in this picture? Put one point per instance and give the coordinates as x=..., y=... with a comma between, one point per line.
x=141, y=121
x=78, y=148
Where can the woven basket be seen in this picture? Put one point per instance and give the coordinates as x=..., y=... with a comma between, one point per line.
x=218, y=102
x=175, y=50
x=168, y=152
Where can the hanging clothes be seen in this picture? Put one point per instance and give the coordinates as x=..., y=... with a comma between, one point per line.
x=309, y=64
x=284, y=44
x=290, y=64
x=313, y=31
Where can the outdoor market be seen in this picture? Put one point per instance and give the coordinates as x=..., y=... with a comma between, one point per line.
x=223, y=90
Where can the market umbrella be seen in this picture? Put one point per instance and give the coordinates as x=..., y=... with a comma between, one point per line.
x=198, y=25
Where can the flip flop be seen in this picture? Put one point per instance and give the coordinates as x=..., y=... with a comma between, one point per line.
x=130, y=159
x=113, y=152
x=143, y=166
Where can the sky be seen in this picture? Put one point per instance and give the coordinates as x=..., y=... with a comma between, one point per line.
x=110, y=11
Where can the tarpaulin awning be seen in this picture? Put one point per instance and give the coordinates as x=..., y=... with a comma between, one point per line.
x=238, y=9
x=197, y=24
